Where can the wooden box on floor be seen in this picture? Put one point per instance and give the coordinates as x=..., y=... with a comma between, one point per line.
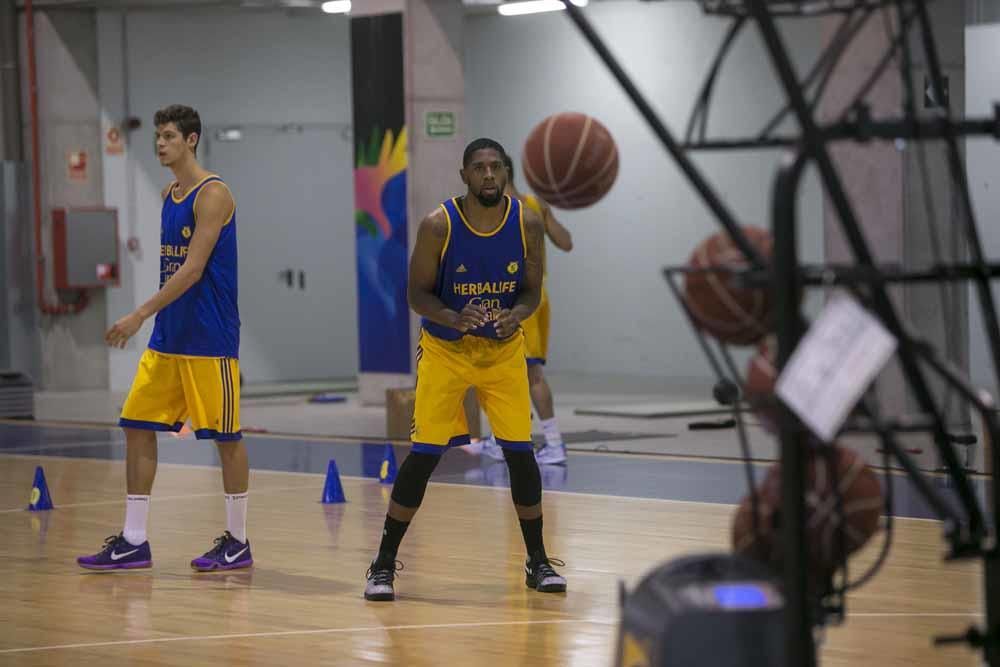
x=399, y=413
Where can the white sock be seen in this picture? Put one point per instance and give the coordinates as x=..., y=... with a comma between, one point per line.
x=236, y=515
x=550, y=427
x=136, y=515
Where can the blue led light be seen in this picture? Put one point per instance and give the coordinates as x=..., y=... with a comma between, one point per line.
x=739, y=596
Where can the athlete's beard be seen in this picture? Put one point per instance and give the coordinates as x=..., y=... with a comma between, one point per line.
x=489, y=202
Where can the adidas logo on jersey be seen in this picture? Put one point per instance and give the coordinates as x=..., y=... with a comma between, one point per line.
x=461, y=269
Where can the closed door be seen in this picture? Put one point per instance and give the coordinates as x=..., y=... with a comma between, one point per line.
x=298, y=296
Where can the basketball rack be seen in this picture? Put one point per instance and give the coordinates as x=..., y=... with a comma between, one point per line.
x=968, y=532
x=789, y=8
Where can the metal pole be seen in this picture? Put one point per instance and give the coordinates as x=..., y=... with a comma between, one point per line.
x=800, y=649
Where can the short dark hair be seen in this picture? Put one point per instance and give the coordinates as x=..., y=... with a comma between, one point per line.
x=479, y=144
x=510, y=166
x=185, y=118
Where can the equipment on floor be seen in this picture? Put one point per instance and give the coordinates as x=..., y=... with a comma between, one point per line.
x=327, y=397
x=710, y=609
x=40, y=499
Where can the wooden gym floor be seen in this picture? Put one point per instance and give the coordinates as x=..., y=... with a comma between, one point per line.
x=461, y=599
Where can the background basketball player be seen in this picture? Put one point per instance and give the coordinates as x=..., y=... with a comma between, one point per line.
x=475, y=275
x=536, y=337
x=190, y=369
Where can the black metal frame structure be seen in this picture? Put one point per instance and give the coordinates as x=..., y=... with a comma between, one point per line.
x=966, y=528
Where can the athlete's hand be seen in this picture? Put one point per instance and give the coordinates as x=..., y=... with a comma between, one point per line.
x=123, y=329
x=506, y=323
x=472, y=316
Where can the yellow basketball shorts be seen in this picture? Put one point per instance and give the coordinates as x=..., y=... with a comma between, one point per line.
x=536, y=332
x=169, y=389
x=445, y=372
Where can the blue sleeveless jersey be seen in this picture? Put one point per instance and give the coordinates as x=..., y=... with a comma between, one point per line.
x=480, y=268
x=205, y=320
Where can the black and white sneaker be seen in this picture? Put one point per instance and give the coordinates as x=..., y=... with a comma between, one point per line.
x=380, y=577
x=538, y=574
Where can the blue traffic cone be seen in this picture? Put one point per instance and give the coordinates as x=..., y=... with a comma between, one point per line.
x=371, y=458
x=387, y=471
x=333, y=491
x=328, y=398
x=40, y=497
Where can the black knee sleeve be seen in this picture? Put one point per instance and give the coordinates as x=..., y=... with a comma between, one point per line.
x=411, y=480
x=525, y=479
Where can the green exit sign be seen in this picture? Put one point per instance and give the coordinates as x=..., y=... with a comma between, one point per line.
x=440, y=123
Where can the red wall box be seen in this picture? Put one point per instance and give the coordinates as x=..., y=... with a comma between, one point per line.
x=85, y=247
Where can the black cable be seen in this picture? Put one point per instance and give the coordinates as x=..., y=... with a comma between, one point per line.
x=826, y=64
x=744, y=443
x=720, y=376
x=730, y=40
x=879, y=69
x=828, y=75
x=889, y=526
x=700, y=111
x=948, y=304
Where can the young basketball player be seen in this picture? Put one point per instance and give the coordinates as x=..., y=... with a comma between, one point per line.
x=190, y=369
x=536, y=338
x=475, y=275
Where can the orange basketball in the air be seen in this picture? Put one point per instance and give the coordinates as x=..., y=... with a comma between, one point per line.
x=570, y=160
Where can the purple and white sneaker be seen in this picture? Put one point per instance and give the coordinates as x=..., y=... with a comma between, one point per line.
x=227, y=554
x=118, y=554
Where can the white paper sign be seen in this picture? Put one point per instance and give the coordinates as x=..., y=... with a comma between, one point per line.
x=835, y=361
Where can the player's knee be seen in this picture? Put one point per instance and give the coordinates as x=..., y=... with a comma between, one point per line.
x=230, y=450
x=525, y=479
x=535, y=374
x=139, y=437
x=412, y=478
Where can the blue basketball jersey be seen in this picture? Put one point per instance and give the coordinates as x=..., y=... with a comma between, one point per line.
x=205, y=320
x=480, y=268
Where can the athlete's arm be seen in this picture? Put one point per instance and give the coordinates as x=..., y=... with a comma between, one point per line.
x=531, y=282
x=212, y=210
x=554, y=229
x=431, y=237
